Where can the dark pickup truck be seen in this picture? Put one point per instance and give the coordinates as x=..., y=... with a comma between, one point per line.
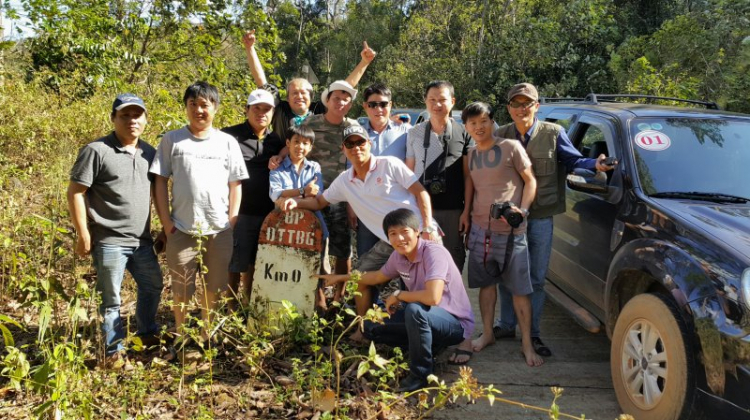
x=658, y=250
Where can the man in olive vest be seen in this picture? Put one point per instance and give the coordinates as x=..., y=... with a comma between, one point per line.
x=552, y=157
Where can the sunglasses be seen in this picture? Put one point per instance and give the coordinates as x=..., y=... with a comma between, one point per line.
x=524, y=105
x=354, y=143
x=378, y=104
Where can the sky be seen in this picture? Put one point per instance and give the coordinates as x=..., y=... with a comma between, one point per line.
x=9, y=30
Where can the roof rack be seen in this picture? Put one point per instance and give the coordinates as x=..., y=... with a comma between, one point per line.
x=594, y=99
x=597, y=98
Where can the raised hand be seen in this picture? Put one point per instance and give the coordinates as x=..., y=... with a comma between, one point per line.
x=368, y=54
x=249, y=39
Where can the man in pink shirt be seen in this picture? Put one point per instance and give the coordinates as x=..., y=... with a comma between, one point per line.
x=432, y=312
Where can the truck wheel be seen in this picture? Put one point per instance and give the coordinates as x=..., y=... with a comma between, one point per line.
x=652, y=365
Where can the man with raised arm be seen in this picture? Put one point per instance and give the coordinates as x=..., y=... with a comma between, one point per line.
x=299, y=104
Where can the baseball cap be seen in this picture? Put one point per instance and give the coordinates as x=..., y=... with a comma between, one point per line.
x=126, y=99
x=524, y=89
x=355, y=130
x=260, y=96
x=338, y=85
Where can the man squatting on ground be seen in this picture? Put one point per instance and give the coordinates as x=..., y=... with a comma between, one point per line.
x=206, y=168
x=437, y=312
x=109, y=198
x=299, y=177
x=436, y=151
x=373, y=186
x=258, y=145
x=500, y=173
x=552, y=157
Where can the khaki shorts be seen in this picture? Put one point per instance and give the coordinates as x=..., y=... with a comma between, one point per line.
x=182, y=259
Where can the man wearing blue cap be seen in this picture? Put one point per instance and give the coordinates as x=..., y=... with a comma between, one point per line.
x=109, y=197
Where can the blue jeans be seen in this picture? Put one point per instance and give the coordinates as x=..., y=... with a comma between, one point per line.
x=421, y=329
x=110, y=262
x=539, y=237
x=365, y=239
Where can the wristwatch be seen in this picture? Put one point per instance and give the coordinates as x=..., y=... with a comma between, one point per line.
x=525, y=211
x=428, y=229
x=396, y=293
x=302, y=192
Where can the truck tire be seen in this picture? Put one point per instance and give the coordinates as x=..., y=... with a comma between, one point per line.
x=651, y=360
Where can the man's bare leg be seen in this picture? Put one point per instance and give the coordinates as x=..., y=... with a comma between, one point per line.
x=362, y=304
x=233, y=293
x=522, y=306
x=342, y=266
x=487, y=301
x=209, y=307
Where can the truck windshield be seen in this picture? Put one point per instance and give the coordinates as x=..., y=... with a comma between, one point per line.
x=692, y=155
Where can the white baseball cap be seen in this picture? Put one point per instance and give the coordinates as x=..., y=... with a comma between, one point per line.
x=260, y=96
x=338, y=85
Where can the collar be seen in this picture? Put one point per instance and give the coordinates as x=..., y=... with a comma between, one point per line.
x=528, y=133
x=373, y=166
x=254, y=136
x=287, y=163
x=390, y=125
x=421, y=245
x=297, y=120
x=115, y=142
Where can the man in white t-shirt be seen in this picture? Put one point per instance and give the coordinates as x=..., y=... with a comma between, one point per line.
x=373, y=186
x=206, y=167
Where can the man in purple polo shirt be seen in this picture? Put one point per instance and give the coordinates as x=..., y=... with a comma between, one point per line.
x=436, y=312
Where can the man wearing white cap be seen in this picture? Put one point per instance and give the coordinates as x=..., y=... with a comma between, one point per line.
x=329, y=135
x=299, y=104
x=258, y=144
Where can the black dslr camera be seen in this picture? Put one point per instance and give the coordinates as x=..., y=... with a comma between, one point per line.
x=435, y=185
x=505, y=209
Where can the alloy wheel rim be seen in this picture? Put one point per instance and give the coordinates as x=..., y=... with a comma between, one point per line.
x=644, y=364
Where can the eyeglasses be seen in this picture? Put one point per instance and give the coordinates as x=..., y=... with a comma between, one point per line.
x=354, y=143
x=378, y=104
x=523, y=105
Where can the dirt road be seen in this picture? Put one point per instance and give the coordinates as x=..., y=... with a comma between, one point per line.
x=579, y=364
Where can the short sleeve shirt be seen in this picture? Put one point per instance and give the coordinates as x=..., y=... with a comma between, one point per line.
x=389, y=142
x=496, y=174
x=201, y=169
x=327, y=147
x=119, y=190
x=434, y=263
x=385, y=188
x=256, y=154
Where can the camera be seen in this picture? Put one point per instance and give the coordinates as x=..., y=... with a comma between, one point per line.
x=505, y=209
x=435, y=185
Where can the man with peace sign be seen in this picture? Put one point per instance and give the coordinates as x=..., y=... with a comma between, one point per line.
x=258, y=145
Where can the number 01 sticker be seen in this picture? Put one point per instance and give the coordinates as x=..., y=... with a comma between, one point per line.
x=652, y=140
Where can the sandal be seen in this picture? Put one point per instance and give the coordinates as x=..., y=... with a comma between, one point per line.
x=460, y=352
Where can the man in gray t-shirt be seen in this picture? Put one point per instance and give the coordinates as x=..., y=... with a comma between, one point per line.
x=109, y=197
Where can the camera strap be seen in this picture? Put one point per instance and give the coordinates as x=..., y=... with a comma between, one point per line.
x=488, y=247
x=440, y=161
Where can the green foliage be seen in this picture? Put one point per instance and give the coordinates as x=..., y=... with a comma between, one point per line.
x=698, y=55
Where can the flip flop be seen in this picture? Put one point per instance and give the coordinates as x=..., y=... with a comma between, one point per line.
x=460, y=352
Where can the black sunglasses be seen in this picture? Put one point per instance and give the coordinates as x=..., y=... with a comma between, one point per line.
x=354, y=143
x=376, y=104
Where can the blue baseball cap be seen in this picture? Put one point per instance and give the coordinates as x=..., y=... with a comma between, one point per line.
x=127, y=99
